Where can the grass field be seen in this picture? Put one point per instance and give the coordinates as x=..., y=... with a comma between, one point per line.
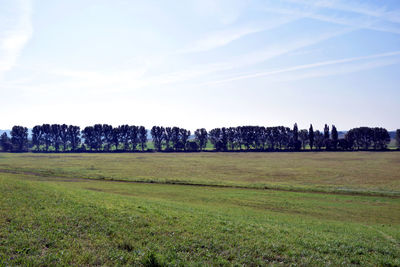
x=330, y=209
x=348, y=172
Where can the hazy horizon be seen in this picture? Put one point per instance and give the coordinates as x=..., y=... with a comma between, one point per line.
x=200, y=64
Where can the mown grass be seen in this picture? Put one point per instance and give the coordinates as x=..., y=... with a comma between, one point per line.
x=347, y=172
x=89, y=222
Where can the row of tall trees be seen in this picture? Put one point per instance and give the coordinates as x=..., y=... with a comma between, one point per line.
x=271, y=138
x=104, y=137
x=173, y=138
x=60, y=137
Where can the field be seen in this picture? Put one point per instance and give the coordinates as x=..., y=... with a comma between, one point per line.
x=200, y=209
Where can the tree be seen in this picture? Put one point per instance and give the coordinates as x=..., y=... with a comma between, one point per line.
x=55, y=136
x=107, y=136
x=74, y=136
x=327, y=141
x=201, y=137
x=303, y=135
x=19, y=138
x=134, y=136
x=47, y=135
x=184, y=137
x=335, y=137
x=124, y=135
x=214, y=137
x=157, y=134
x=295, y=132
x=64, y=136
x=88, y=135
x=319, y=139
x=294, y=141
x=350, y=138
x=37, y=137
x=224, y=139
x=142, y=137
x=398, y=138
x=343, y=144
x=311, y=136
x=381, y=138
x=326, y=131
x=231, y=135
x=175, y=137
x=116, y=137
x=364, y=137
x=167, y=137
x=98, y=137
x=192, y=146
x=5, y=142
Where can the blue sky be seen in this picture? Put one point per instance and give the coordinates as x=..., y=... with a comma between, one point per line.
x=200, y=63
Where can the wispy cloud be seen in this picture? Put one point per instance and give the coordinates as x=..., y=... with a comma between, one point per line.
x=365, y=16
x=313, y=65
x=361, y=8
x=16, y=32
x=222, y=38
x=124, y=80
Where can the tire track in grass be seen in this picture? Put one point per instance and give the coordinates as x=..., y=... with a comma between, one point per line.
x=395, y=195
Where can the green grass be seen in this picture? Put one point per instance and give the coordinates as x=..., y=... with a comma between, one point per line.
x=347, y=172
x=49, y=215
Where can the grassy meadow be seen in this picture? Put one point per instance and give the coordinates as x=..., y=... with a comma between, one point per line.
x=320, y=209
x=347, y=172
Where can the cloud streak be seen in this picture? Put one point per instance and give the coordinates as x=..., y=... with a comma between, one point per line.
x=309, y=66
x=367, y=18
x=18, y=30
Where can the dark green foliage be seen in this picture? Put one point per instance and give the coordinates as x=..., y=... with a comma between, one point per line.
x=175, y=137
x=192, y=146
x=167, y=137
x=311, y=136
x=219, y=139
x=295, y=132
x=47, y=136
x=335, y=137
x=319, y=139
x=327, y=140
x=37, y=138
x=304, y=137
x=157, y=133
x=201, y=136
x=184, y=136
x=381, y=138
x=326, y=131
x=107, y=136
x=5, y=142
x=19, y=138
x=116, y=133
x=398, y=138
x=343, y=144
x=142, y=135
x=74, y=136
x=365, y=137
x=56, y=136
x=151, y=260
x=104, y=137
x=88, y=135
x=64, y=136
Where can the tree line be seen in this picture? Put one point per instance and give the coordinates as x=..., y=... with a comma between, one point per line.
x=131, y=138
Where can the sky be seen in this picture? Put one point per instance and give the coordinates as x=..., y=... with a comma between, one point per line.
x=200, y=63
